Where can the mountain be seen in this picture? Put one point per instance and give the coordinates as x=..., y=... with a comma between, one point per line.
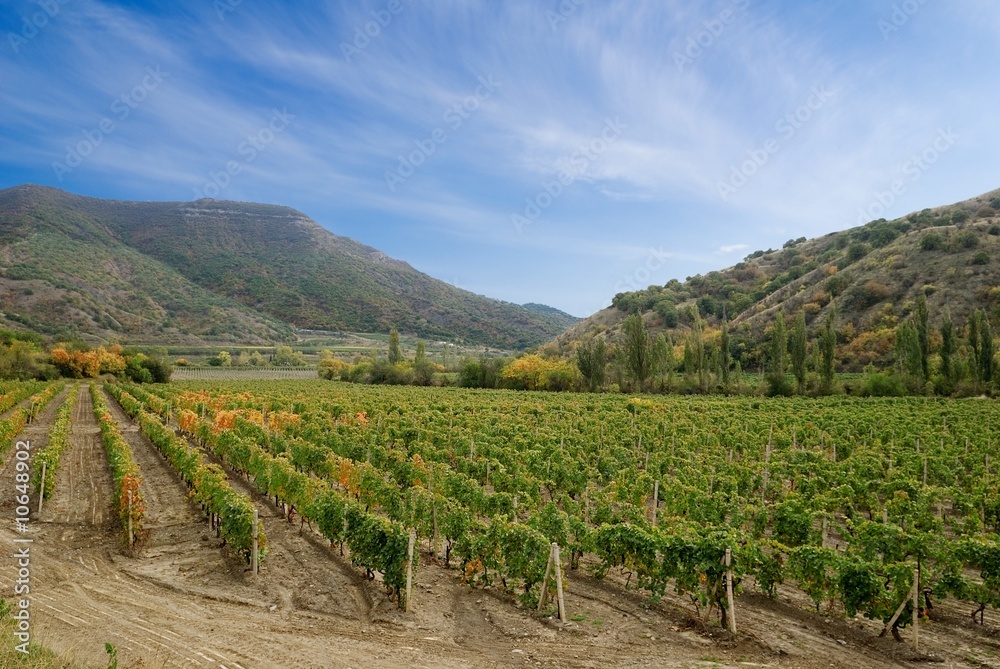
x=869, y=277
x=559, y=318
x=174, y=272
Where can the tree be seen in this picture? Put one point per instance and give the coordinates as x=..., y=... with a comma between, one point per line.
x=975, y=342
x=637, y=350
x=725, y=355
x=800, y=352
x=777, y=360
x=922, y=324
x=423, y=369
x=948, y=347
x=284, y=356
x=395, y=351
x=987, y=365
x=908, y=354
x=660, y=354
x=828, y=346
x=591, y=360
x=698, y=350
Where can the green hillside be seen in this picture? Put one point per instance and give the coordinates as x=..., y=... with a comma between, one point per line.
x=178, y=272
x=869, y=277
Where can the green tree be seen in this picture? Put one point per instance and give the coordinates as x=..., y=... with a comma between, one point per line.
x=725, y=355
x=975, y=342
x=948, y=347
x=395, y=350
x=908, y=354
x=592, y=360
x=777, y=358
x=800, y=351
x=987, y=365
x=423, y=369
x=284, y=356
x=922, y=323
x=828, y=348
x=637, y=349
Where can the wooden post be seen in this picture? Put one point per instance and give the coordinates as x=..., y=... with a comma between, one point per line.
x=131, y=538
x=916, y=610
x=545, y=581
x=409, y=570
x=731, y=607
x=826, y=524
x=254, y=558
x=656, y=499
x=559, y=587
x=435, y=539
x=41, y=491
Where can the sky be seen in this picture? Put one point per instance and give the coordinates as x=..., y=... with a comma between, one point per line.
x=552, y=151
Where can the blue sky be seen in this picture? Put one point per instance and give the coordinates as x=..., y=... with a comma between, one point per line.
x=554, y=151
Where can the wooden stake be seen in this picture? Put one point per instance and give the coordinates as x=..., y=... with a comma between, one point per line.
x=826, y=524
x=899, y=612
x=131, y=537
x=916, y=610
x=409, y=570
x=656, y=499
x=545, y=581
x=41, y=492
x=731, y=607
x=559, y=587
x=254, y=557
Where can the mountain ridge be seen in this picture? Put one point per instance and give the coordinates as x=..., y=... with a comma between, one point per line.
x=240, y=271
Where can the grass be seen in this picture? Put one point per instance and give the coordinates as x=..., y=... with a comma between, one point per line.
x=38, y=657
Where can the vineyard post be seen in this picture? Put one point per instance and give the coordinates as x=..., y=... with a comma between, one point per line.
x=545, y=581
x=559, y=587
x=826, y=524
x=916, y=610
x=731, y=607
x=41, y=492
x=131, y=538
x=435, y=540
x=409, y=570
x=656, y=498
x=254, y=558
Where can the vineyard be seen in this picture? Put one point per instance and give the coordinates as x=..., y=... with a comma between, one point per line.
x=711, y=513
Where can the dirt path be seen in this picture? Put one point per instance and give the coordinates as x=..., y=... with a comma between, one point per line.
x=184, y=601
x=83, y=484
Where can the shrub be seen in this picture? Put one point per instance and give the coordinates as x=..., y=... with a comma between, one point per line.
x=932, y=241
x=967, y=240
x=981, y=258
x=986, y=212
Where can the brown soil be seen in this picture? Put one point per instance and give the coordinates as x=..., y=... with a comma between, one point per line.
x=183, y=601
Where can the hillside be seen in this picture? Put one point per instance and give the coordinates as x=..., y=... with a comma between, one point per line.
x=869, y=277
x=176, y=272
x=560, y=318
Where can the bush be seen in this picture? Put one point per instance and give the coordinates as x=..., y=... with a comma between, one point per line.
x=932, y=241
x=994, y=230
x=986, y=212
x=981, y=258
x=960, y=216
x=967, y=240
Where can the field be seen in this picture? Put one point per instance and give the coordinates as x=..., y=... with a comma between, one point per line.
x=829, y=510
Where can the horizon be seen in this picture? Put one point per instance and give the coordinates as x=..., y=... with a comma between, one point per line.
x=554, y=153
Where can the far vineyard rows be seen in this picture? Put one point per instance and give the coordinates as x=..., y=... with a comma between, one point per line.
x=849, y=500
